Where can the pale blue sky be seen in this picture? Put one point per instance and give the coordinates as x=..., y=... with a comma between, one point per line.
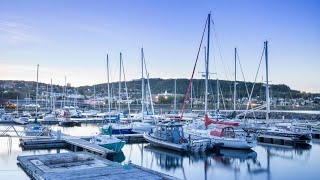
x=72, y=38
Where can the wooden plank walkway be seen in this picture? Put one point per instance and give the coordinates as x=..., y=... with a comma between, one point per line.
x=128, y=138
x=84, y=166
x=70, y=142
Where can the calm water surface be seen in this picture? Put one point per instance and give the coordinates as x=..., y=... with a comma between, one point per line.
x=263, y=162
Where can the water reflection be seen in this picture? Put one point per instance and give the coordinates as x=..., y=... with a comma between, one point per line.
x=119, y=157
x=264, y=162
x=166, y=159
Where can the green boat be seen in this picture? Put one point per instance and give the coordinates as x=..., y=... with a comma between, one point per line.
x=108, y=141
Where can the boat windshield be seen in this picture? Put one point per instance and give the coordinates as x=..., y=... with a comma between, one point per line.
x=228, y=132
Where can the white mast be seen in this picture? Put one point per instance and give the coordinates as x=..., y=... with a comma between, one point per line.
x=149, y=90
x=207, y=65
x=47, y=96
x=65, y=90
x=175, y=94
x=235, y=80
x=51, y=98
x=218, y=94
x=94, y=97
x=109, y=99
x=267, y=81
x=37, y=91
x=126, y=88
x=120, y=82
x=142, y=85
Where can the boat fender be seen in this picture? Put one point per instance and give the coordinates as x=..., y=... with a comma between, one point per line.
x=6, y=118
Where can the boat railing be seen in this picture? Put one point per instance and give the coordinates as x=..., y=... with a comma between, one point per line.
x=198, y=143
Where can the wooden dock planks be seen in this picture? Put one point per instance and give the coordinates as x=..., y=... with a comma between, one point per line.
x=84, y=166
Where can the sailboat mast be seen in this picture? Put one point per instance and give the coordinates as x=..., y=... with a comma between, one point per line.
x=207, y=65
x=47, y=96
x=109, y=99
x=175, y=94
x=235, y=80
x=267, y=81
x=65, y=90
x=37, y=90
x=218, y=94
x=142, y=85
x=120, y=82
x=191, y=98
x=126, y=88
x=94, y=96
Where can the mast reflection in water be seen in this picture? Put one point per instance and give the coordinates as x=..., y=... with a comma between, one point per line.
x=264, y=162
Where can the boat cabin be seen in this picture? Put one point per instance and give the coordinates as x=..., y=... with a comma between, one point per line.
x=169, y=132
x=223, y=131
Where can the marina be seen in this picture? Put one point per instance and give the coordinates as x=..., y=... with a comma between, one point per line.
x=264, y=159
x=159, y=91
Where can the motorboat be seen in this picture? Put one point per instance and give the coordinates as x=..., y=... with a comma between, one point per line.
x=296, y=135
x=226, y=135
x=108, y=140
x=67, y=122
x=36, y=131
x=171, y=136
x=117, y=129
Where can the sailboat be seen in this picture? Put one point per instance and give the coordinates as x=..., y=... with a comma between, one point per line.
x=145, y=125
x=107, y=140
x=146, y=116
x=116, y=128
x=291, y=133
x=221, y=132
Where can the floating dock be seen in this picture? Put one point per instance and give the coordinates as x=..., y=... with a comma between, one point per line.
x=84, y=166
x=65, y=141
x=287, y=141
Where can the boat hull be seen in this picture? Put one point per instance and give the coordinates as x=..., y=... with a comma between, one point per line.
x=69, y=123
x=156, y=142
x=117, y=146
x=235, y=143
x=298, y=137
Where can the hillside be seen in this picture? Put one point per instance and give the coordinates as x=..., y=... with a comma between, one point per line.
x=11, y=89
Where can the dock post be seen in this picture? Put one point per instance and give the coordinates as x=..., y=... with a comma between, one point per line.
x=59, y=134
x=217, y=148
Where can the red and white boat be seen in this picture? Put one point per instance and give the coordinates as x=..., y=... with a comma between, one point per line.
x=224, y=133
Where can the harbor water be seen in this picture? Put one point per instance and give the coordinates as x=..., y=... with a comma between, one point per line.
x=270, y=162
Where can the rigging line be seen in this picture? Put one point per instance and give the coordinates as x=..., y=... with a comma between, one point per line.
x=149, y=88
x=194, y=68
x=126, y=88
x=222, y=97
x=244, y=79
x=255, y=79
x=225, y=67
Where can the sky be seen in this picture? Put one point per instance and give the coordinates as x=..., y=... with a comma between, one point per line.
x=73, y=37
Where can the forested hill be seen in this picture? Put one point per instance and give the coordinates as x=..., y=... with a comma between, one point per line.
x=12, y=89
x=158, y=85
